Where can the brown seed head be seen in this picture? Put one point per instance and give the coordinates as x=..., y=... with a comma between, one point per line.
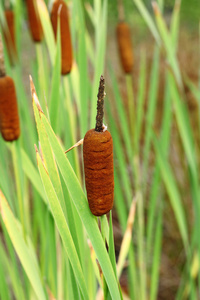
x=99, y=172
x=34, y=21
x=125, y=47
x=9, y=118
x=9, y=35
x=66, y=46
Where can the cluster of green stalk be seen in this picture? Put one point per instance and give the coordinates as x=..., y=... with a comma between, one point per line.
x=50, y=242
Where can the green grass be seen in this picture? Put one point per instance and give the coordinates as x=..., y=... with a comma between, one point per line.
x=50, y=242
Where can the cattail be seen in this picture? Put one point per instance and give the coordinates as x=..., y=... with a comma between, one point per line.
x=9, y=118
x=98, y=162
x=66, y=46
x=34, y=21
x=9, y=35
x=125, y=47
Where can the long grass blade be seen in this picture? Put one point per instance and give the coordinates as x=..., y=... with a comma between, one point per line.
x=62, y=227
x=26, y=258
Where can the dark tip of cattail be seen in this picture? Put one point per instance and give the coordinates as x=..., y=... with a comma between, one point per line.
x=34, y=21
x=100, y=104
x=9, y=35
x=125, y=47
x=98, y=162
x=9, y=117
x=66, y=45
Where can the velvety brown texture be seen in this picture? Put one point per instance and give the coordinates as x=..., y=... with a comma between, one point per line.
x=9, y=118
x=9, y=35
x=66, y=45
x=34, y=21
x=125, y=47
x=99, y=172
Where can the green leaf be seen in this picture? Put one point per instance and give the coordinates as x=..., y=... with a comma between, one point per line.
x=62, y=227
x=156, y=257
x=55, y=82
x=173, y=192
x=33, y=175
x=47, y=28
x=27, y=260
x=111, y=249
x=148, y=19
x=168, y=44
x=48, y=157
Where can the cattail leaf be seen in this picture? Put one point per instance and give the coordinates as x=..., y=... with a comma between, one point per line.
x=125, y=245
x=81, y=205
x=157, y=178
x=139, y=114
x=151, y=110
x=105, y=228
x=62, y=227
x=167, y=41
x=27, y=260
x=55, y=83
x=33, y=175
x=121, y=113
x=4, y=288
x=173, y=192
x=174, y=28
x=82, y=66
x=148, y=19
x=118, y=152
x=49, y=159
x=47, y=28
x=156, y=258
x=11, y=266
x=184, y=125
x=111, y=249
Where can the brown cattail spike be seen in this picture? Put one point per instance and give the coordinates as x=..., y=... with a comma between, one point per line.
x=9, y=35
x=34, y=21
x=59, y=6
x=9, y=118
x=98, y=164
x=125, y=47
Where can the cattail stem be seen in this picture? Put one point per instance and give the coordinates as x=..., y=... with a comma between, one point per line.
x=121, y=14
x=131, y=105
x=72, y=124
x=16, y=157
x=100, y=104
x=7, y=4
x=2, y=64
